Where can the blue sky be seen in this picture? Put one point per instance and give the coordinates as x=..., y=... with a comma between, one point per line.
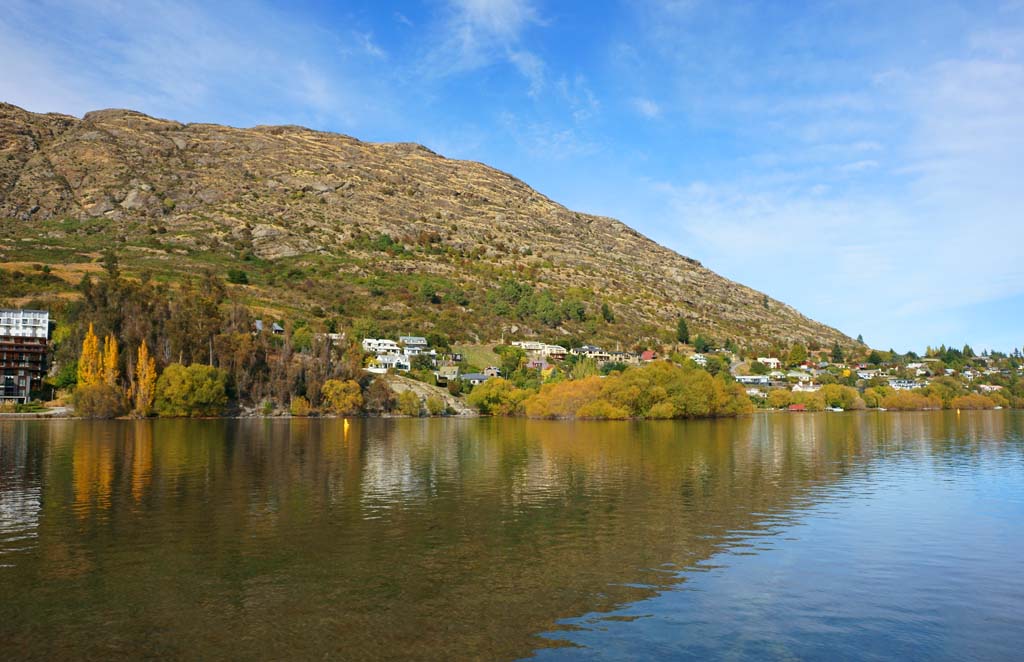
x=861, y=161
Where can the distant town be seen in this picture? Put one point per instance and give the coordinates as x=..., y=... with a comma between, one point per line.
x=380, y=375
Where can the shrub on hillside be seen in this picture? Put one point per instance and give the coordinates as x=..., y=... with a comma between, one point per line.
x=342, y=397
x=497, y=396
x=99, y=401
x=911, y=400
x=972, y=401
x=409, y=404
x=197, y=390
x=299, y=406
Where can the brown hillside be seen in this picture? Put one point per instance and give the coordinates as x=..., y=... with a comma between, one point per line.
x=299, y=210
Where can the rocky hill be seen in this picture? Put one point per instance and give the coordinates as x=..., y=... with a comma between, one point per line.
x=386, y=237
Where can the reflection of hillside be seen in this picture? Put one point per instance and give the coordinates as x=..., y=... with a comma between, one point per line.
x=446, y=539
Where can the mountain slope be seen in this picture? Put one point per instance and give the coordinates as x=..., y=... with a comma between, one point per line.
x=303, y=213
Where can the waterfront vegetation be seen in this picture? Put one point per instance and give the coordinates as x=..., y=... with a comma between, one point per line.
x=141, y=347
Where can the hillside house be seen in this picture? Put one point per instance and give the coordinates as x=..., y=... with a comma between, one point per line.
x=393, y=361
x=380, y=346
x=474, y=378
x=414, y=342
x=591, y=352
x=770, y=362
x=902, y=384
x=275, y=328
x=753, y=379
x=699, y=359
x=445, y=374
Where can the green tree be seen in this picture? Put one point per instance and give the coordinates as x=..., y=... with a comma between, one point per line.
x=875, y=358
x=607, y=314
x=197, y=390
x=797, y=355
x=837, y=353
x=682, y=331
x=238, y=277
x=702, y=344
x=497, y=396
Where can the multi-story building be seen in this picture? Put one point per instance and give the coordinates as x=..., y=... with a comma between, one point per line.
x=23, y=340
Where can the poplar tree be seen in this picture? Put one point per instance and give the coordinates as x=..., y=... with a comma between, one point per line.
x=90, y=363
x=145, y=382
x=110, y=360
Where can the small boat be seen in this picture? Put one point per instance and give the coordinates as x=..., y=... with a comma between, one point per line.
x=833, y=409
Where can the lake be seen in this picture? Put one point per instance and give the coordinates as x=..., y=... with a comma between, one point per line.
x=834, y=536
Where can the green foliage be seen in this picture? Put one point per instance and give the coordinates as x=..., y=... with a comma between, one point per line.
x=875, y=358
x=302, y=339
x=99, y=401
x=299, y=406
x=702, y=344
x=196, y=390
x=837, y=353
x=409, y=404
x=682, y=331
x=342, y=397
x=381, y=242
x=658, y=390
x=66, y=376
x=515, y=298
x=238, y=277
x=435, y=406
x=512, y=358
x=836, y=395
x=797, y=355
x=758, y=368
x=498, y=397
x=606, y=313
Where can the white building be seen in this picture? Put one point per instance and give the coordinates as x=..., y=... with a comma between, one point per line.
x=416, y=342
x=699, y=359
x=380, y=346
x=753, y=379
x=25, y=323
x=771, y=362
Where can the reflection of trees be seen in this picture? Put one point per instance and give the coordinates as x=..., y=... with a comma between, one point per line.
x=448, y=539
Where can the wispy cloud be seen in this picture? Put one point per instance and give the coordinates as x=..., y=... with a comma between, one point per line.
x=646, y=107
x=181, y=59
x=478, y=33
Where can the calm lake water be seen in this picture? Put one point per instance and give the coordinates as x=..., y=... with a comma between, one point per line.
x=854, y=536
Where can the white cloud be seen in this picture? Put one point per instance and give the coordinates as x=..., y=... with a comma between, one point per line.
x=478, y=33
x=646, y=107
x=859, y=166
x=181, y=60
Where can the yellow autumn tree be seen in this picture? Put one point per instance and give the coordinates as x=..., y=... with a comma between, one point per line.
x=90, y=363
x=110, y=359
x=145, y=382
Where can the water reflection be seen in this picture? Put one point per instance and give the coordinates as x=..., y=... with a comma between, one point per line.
x=406, y=539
